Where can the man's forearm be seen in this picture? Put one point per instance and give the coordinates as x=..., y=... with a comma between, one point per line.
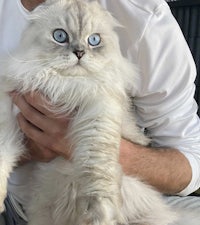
x=166, y=169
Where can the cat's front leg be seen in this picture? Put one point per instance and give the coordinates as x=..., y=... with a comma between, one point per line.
x=10, y=144
x=96, y=138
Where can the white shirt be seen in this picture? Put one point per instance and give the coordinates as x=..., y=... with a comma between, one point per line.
x=164, y=100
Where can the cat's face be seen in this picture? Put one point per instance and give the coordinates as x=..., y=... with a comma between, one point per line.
x=71, y=35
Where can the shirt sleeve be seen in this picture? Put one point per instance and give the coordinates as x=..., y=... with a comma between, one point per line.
x=164, y=102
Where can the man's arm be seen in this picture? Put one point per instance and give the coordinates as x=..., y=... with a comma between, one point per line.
x=166, y=169
x=165, y=107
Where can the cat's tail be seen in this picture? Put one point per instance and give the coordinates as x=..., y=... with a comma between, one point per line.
x=143, y=205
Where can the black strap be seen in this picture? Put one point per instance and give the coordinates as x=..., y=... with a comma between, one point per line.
x=11, y=216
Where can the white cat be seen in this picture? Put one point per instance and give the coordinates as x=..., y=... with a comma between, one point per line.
x=70, y=53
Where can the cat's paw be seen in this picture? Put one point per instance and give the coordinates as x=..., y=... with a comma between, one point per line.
x=99, y=211
x=96, y=222
x=93, y=220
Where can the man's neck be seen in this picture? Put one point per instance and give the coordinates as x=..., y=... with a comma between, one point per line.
x=31, y=4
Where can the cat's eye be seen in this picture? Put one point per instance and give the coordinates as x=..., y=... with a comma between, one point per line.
x=94, y=39
x=60, y=36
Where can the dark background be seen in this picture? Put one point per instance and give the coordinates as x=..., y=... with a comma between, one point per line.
x=187, y=14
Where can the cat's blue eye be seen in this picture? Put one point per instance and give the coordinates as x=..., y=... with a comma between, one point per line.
x=94, y=40
x=60, y=36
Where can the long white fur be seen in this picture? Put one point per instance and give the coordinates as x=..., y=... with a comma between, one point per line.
x=90, y=189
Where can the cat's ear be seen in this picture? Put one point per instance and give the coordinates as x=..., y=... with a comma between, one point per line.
x=108, y=17
x=48, y=3
x=40, y=9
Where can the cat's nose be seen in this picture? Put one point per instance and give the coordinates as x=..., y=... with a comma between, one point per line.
x=79, y=53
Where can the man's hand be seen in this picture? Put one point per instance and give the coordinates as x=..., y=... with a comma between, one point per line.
x=45, y=131
x=166, y=169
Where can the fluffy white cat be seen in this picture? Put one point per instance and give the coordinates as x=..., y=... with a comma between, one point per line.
x=70, y=53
